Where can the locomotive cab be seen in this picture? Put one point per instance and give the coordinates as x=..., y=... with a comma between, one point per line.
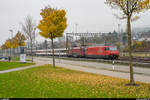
x=112, y=52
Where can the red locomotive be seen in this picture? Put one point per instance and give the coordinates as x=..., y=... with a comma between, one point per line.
x=109, y=52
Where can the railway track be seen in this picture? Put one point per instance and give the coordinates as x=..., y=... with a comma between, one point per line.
x=136, y=59
x=124, y=59
x=137, y=62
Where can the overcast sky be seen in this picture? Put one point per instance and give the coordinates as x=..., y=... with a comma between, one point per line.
x=90, y=15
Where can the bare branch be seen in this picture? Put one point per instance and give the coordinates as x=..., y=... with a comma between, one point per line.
x=135, y=18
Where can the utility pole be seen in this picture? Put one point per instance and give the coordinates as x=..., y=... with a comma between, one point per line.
x=36, y=47
x=121, y=44
x=67, y=42
x=119, y=28
x=76, y=25
x=46, y=46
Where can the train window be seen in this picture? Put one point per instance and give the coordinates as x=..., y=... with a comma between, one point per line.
x=106, y=48
x=111, y=48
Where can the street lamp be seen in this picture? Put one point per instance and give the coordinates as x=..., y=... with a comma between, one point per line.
x=11, y=40
x=76, y=29
x=11, y=33
x=121, y=44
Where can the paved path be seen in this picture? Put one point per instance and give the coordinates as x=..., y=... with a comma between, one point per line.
x=22, y=68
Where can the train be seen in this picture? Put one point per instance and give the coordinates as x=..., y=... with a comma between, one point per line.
x=109, y=52
x=48, y=52
x=105, y=52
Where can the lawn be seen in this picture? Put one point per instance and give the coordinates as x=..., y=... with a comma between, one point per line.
x=15, y=58
x=48, y=82
x=10, y=65
x=18, y=59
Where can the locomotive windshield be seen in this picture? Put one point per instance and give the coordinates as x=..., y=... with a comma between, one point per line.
x=111, y=48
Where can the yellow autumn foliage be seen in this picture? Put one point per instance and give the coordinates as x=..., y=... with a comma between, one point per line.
x=14, y=43
x=3, y=47
x=11, y=43
x=134, y=6
x=53, y=23
x=20, y=39
x=8, y=43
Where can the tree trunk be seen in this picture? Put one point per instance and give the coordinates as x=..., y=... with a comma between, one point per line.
x=31, y=51
x=46, y=48
x=53, y=53
x=14, y=53
x=10, y=54
x=67, y=44
x=145, y=48
x=130, y=49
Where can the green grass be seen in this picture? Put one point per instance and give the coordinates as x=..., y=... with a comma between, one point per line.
x=18, y=59
x=28, y=60
x=15, y=58
x=48, y=82
x=10, y=65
